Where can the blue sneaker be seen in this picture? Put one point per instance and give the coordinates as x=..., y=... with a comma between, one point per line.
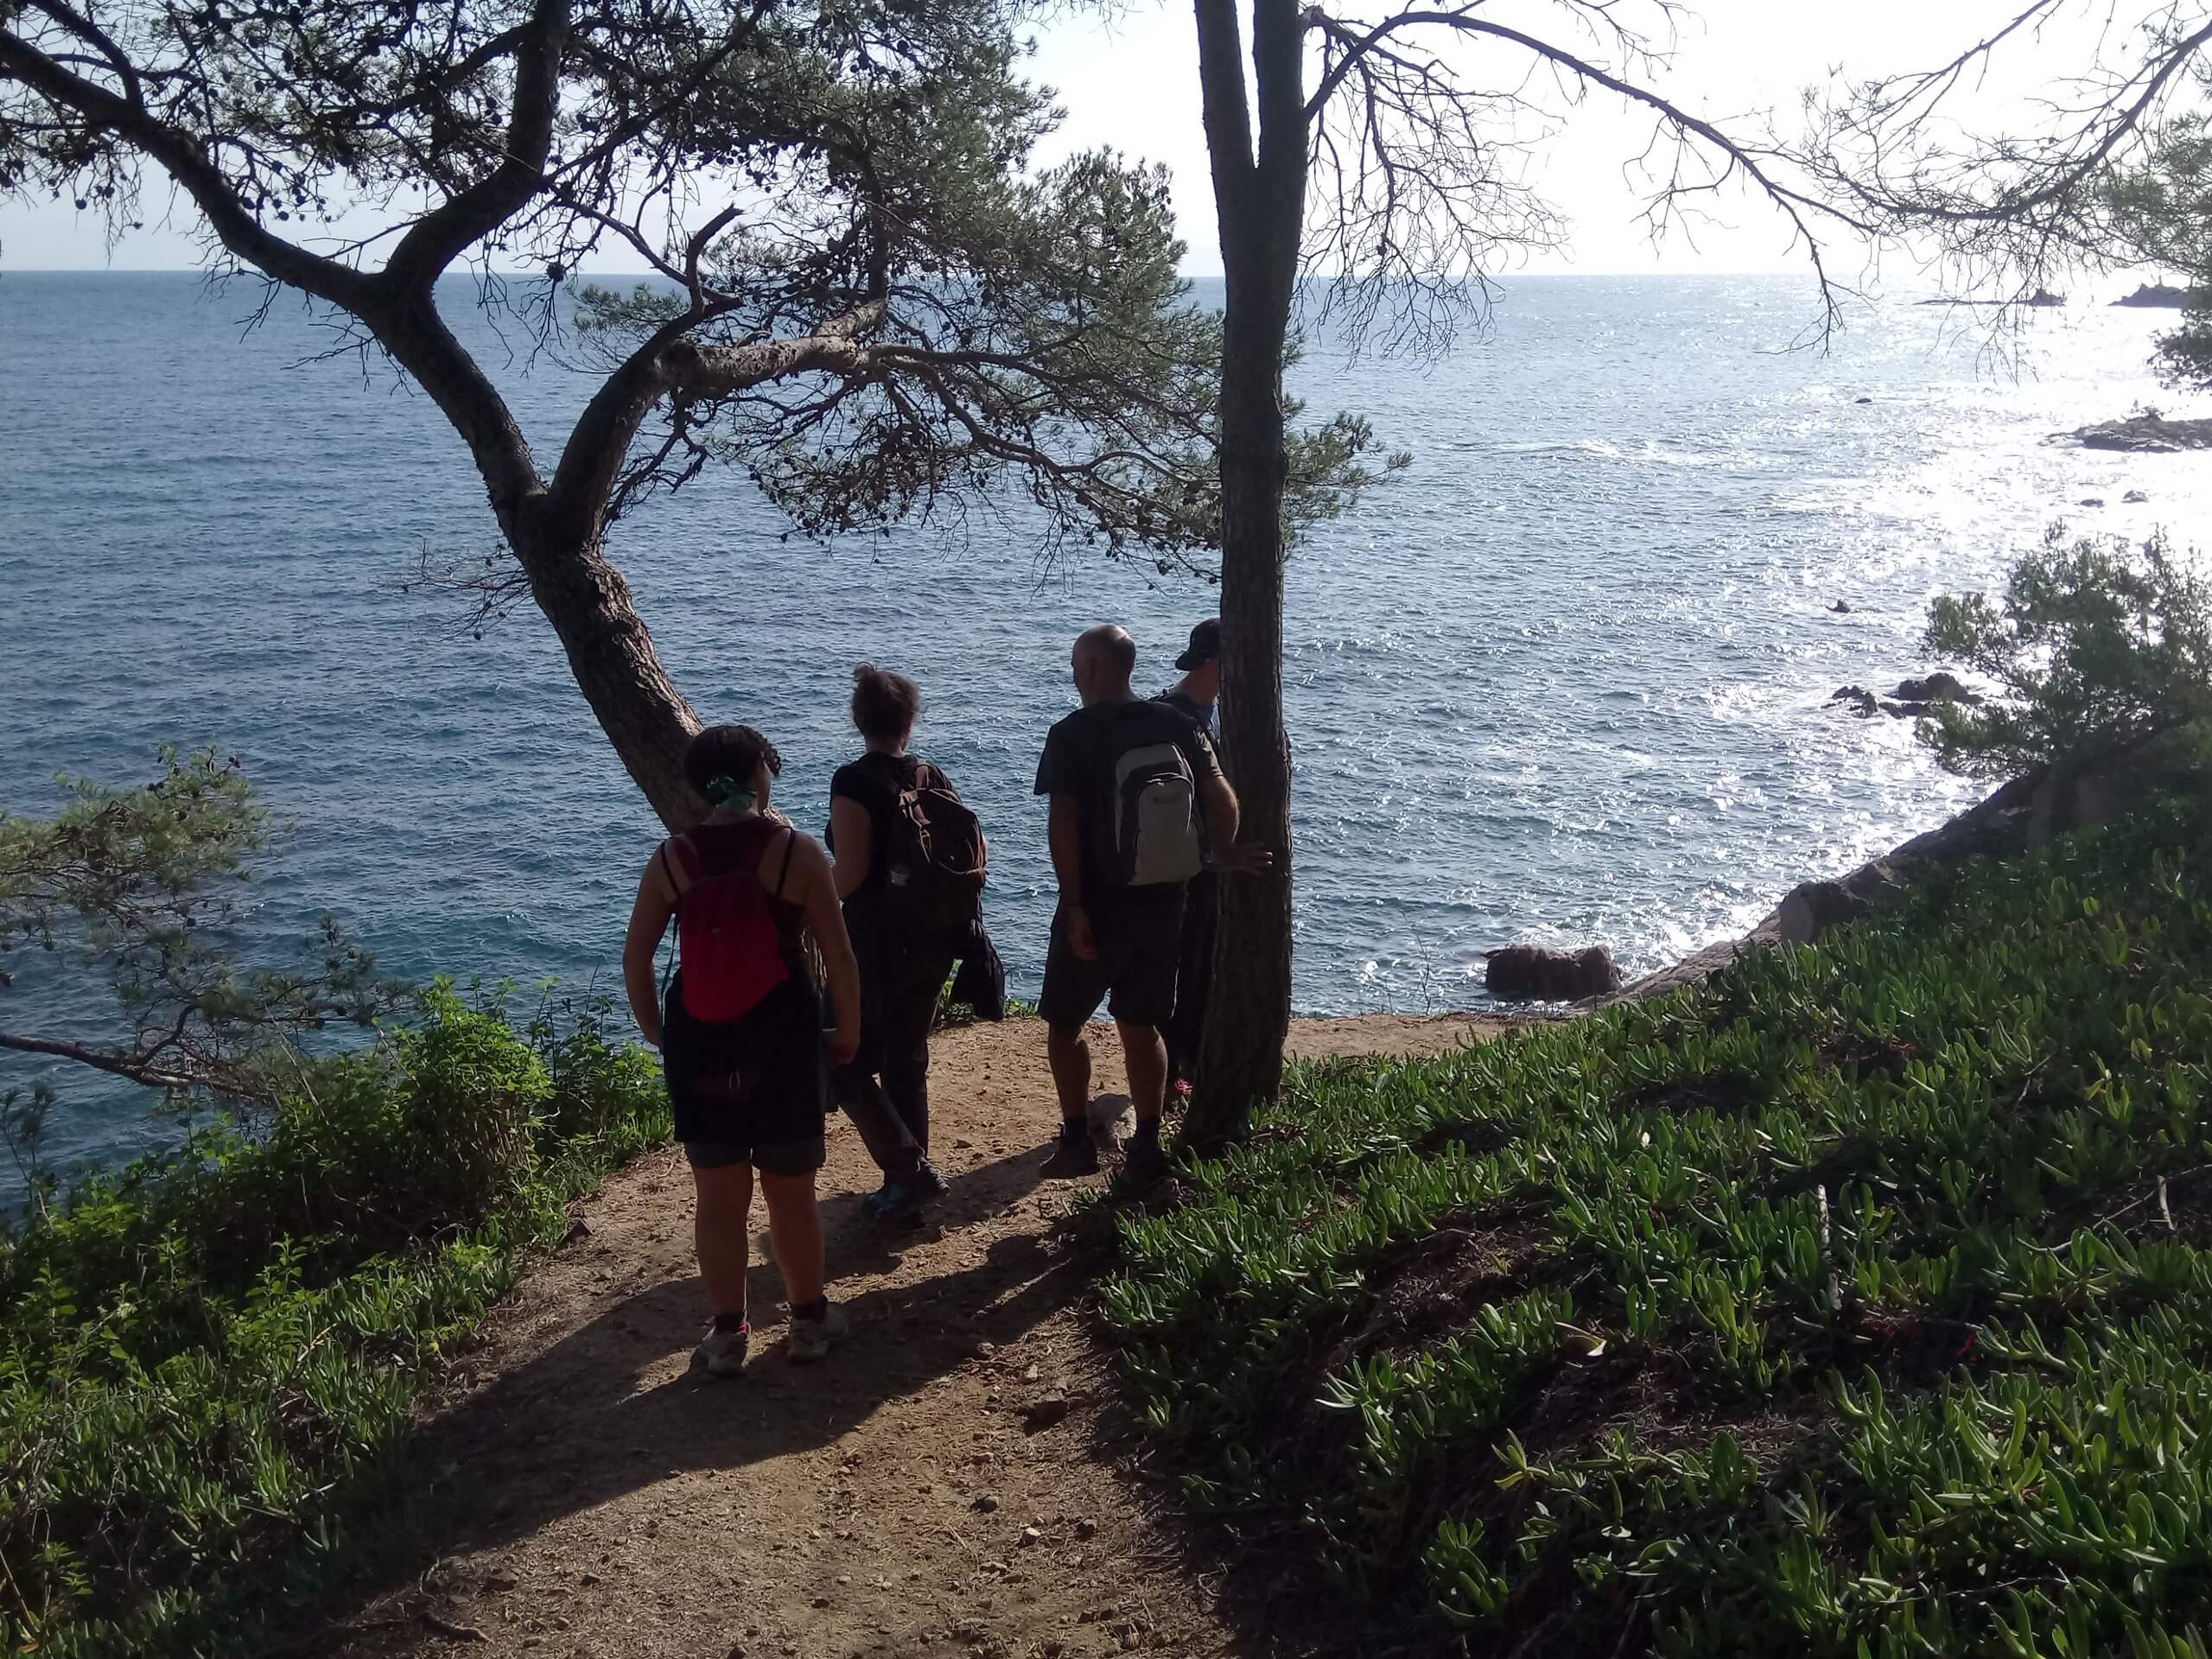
x=896, y=1203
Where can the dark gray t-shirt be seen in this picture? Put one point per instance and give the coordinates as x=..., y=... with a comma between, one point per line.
x=1079, y=755
x=1200, y=714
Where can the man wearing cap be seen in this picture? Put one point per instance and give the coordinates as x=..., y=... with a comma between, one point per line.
x=1195, y=695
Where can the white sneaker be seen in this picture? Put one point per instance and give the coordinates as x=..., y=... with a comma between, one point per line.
x=722, y=1353
x=811, y=1339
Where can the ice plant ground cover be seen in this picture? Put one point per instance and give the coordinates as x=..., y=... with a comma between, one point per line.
x=1859, y=1302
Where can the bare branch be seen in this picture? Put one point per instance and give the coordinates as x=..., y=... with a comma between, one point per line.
x=115, y=1063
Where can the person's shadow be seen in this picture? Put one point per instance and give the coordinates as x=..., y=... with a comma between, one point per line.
x=571, y=1428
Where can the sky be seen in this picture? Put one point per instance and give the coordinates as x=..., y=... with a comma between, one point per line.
x=1127, y=76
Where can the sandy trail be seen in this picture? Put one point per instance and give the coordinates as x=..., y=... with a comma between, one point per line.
x=934, y=1489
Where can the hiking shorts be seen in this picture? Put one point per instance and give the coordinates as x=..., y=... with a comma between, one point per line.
x=770, y=1157
x=1139, y=933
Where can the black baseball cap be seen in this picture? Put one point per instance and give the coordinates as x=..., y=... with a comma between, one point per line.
x=1205, y=645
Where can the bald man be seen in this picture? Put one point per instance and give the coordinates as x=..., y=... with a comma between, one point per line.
x=1133, y=787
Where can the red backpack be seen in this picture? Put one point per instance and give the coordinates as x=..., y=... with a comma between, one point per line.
x=730, y=948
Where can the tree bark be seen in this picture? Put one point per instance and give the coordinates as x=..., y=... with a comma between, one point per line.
x=1258, y=197
x=611, y=655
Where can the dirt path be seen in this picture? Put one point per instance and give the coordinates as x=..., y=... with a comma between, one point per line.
x=933, y=1490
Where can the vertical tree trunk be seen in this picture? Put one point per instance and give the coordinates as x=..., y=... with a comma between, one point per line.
x=614, y=660
x=1259, y=198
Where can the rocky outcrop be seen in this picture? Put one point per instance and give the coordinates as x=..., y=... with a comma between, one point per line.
x=1938, y=687
x=2144, y=435
x=2166, y=296
x=2024, y=814
x=1909, y=701
x=2042, y=296
x=1530, y=973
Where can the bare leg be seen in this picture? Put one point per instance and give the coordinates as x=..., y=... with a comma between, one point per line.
x=795, y=1233
x=1069, y=1049
x=1147, y=1059
x=718, y=1230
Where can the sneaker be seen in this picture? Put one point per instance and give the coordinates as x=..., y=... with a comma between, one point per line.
x=1144, y=1161
x=931, y=1182
x=811, y=1339
x=1075, y=1154
x=722, y=1354
x=897, y=1204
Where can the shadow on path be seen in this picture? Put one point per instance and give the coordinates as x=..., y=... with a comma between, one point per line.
x=572, y=1427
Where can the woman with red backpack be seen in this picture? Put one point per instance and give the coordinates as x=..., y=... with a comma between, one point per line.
x=740, y=1032
x=910, y=868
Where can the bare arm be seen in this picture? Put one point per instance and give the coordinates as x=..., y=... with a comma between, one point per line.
x=656, y=903
x=1064, y=831
x=1218, y=802
x=825, y=920
x=850, y=828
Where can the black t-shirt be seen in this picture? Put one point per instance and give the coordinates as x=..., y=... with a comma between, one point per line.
x=1079, y=755
x=875, y=781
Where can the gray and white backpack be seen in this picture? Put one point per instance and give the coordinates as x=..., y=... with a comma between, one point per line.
x=1156, y=831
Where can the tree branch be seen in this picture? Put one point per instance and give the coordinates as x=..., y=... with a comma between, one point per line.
x=1227, y=117
x=121, y=1066
x=179, y=155
x=667, y=362
x=438, y=238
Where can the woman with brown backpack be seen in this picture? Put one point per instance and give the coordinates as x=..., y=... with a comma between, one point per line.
x=910, y=867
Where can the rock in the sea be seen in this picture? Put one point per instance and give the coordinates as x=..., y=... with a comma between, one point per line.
x=1903, y=710
x=1528, y=972
x=1862, y=400
x=2090, y=501
x=2145, y=435
x=2162, y=296
x=2044, y=296
x=1862, y=701
x=2134, y=498
x=1937, y=688
x=1840, y=608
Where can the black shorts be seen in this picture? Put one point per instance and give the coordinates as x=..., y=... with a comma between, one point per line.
x=770, y=1157
x=758, y=1085
x=1139, y=933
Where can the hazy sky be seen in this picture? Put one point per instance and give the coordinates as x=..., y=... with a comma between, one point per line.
x=1131, y=83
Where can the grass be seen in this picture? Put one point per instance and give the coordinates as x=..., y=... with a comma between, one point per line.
x=1858, y=1304
x=208, y=1362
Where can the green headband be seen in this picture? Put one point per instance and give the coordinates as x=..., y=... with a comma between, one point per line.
x=722, y=789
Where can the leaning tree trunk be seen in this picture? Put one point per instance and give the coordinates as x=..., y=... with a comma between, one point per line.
x=613, y=658
x=1259, y=200
x=556, y=535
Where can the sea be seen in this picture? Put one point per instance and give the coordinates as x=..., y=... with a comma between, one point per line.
x=1565, y=679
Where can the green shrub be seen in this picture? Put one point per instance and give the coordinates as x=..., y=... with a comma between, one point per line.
x=1858, y=1303
x=207, y=1361
x=2095, y=647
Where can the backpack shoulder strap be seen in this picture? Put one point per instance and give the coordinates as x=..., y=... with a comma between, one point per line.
x=783, y=874
x=686, y=860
